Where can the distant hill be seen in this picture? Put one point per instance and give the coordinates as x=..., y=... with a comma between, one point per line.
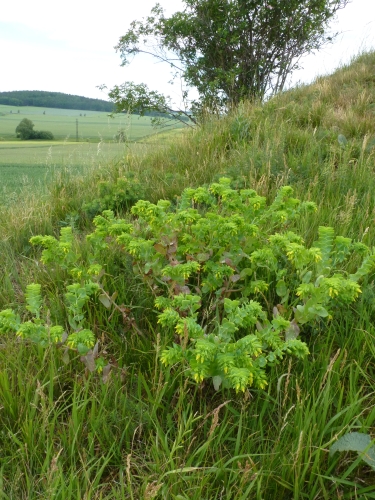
x=59, y=100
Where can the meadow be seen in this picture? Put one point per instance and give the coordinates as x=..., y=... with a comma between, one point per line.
x=25, y=163
x=113, y=422
x=93, y=126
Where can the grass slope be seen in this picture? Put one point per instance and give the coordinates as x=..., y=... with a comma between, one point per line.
x=149, y=433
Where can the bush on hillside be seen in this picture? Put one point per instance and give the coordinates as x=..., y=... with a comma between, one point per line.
x=25, y=131
x=44, y=135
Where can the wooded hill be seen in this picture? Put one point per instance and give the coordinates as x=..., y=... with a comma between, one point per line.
x=53, y=100
x=60, y=100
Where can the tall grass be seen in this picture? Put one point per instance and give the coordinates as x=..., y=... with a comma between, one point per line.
x=147, y=432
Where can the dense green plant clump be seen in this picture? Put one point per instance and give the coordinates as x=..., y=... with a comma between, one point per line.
x=25, y=131
x=75, y=336
x=232, y=283
x=115, y=195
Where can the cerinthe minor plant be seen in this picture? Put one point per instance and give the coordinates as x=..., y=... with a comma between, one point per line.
x=231, y=282
x=78, y=336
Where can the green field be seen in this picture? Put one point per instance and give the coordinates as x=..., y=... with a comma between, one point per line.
x=29, y=163
x=92, y=125
x=24, y=163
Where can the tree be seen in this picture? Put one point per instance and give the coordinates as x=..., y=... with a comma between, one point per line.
x=138, y=98
x=25, y=131
x=228, y=50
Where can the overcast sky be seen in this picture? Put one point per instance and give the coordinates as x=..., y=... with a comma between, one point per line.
x=69, y=46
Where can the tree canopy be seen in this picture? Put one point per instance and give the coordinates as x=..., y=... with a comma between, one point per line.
x=25, y=131
x=228, y=50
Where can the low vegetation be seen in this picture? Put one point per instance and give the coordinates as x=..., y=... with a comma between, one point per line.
x=198, y=322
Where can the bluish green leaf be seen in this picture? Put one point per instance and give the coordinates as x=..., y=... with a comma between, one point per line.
x=342, y=140
x=356, y=441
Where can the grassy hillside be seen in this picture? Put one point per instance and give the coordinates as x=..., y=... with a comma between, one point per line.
x=146, y=431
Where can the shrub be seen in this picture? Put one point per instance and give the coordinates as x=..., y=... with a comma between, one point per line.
x=232, y=283
x=25, y=131
x=115, y=195
x=43, y=135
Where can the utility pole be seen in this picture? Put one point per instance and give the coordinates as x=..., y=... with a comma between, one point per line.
x=76, y=129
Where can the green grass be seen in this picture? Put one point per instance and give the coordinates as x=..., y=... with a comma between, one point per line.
x=31, y=164
x=74, y=437
x=148, y=432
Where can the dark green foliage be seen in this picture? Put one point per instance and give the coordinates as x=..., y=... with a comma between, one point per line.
x=43, y=135
x=25, y=131
x=118, y=196
x=53, y=100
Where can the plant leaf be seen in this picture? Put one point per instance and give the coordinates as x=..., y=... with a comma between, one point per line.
x=66, y=357
x=281, y=288
x=217, y=380
x=293, y=331
x=89, y=361
x=307, y=277
x=106, y=373
x=105, y=301
x=342, y=140
x=160, y=248
x=82, y=349
x=202, y=257
x=356, y=441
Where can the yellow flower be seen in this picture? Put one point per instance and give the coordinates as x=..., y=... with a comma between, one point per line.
x=332, y=292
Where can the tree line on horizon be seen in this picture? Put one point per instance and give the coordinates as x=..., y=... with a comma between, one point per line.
x=58, y=100
x=44, y=99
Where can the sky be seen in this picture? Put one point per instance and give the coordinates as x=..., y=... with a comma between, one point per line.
x=69, y=46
